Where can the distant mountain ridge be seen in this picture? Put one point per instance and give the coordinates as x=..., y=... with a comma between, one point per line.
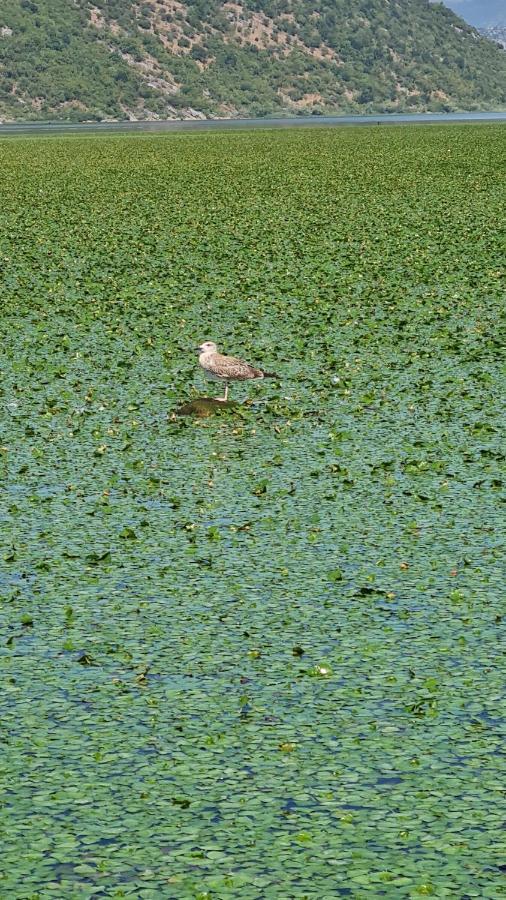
x=495, y=33
x=480, y=13
x=111, y=59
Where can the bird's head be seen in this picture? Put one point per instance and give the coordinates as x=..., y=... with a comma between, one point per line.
x=207, y=347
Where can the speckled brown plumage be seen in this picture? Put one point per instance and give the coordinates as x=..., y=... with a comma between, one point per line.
x=219, y=367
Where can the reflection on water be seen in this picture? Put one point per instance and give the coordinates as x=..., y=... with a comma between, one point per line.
x=205, y=406
x=214, y=124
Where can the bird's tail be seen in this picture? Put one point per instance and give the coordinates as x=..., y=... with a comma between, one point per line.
x=270, y=375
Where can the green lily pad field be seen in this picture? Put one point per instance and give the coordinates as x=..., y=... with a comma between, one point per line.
x=258, y=653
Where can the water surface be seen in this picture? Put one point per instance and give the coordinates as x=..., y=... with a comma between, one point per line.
x=232, y=124
x=260, y=654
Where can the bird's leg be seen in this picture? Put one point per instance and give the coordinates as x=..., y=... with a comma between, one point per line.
x=225, y=397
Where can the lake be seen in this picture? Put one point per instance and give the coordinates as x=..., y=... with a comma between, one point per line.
x=232, y=124
x=260, y=654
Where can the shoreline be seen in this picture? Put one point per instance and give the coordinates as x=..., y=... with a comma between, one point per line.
x=175, y=125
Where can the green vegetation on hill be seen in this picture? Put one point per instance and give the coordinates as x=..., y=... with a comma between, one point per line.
x=163, y=58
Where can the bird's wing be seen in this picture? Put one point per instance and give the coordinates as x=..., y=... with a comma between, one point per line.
x=233, y=367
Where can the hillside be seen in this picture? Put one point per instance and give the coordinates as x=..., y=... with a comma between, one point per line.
x=165, y=58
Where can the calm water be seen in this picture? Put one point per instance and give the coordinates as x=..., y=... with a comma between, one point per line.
x=212, y=124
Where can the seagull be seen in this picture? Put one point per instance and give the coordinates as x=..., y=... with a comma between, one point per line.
x=227, y=368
